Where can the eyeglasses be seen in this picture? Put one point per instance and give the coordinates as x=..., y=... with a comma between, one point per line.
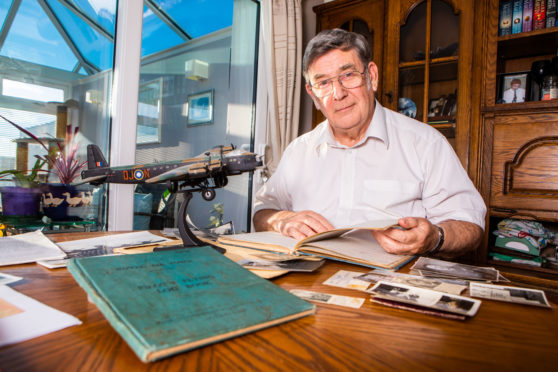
x=348, y=80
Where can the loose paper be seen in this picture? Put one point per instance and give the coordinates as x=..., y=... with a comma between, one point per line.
x=7, y=278
x=23, y=318
x=28, y=247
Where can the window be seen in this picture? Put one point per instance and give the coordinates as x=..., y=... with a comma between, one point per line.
x=194, y=52
x=60, y=54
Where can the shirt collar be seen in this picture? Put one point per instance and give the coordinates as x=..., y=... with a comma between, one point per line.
x=377, y=129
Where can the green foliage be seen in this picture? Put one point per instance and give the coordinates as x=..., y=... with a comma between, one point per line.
x=216, y=218
x=26, y=179
x=65, y=163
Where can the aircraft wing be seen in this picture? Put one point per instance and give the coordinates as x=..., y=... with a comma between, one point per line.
x=193, y=170
x=173, y=174
x=90, y=179
x=217, y=151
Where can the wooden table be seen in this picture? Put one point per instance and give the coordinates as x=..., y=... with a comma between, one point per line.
x=501, y=336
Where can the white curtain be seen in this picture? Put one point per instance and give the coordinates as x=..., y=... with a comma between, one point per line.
x=282, y=31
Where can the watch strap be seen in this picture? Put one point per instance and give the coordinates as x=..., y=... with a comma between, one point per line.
x=438, y=246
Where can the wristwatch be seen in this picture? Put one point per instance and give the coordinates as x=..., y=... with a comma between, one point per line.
x=437, y=247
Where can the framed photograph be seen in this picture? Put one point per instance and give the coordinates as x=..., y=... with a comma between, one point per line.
x=149, y=112
x=512, y=87
x=443, y=107
x=200, y=108
x=436, y=107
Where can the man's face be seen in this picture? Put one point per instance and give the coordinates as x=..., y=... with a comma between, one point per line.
x=515, y=86
x=345, y=109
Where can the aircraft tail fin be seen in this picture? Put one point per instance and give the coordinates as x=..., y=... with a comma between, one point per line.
x=95, y=158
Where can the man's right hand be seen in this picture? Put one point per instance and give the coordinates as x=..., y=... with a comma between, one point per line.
x=298, y=225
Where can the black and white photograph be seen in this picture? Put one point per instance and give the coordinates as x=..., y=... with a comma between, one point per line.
x=426, y=298
x=330, y=299
x=437, y=284
x=394, y=292
x=453, y=304
x=434, y=267
x=517, y=295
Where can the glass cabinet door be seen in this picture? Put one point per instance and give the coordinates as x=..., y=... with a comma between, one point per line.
x=365, y=17
x=428, y=81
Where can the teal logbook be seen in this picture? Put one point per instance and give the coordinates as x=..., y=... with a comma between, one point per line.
x=167, y=302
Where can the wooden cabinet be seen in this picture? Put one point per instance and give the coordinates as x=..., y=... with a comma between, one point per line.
x=515, y=145
x=423, y=49
x=428, y=59
x=427, y=49
x=363, y=16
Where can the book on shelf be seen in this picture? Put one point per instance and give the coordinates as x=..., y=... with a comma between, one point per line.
x=167, y=302
x=550, y=13
x=354, y=245
x=517, y=16
x=527, y=245
x=539, y=14
x=527, y=23
x=441, y=119
x=506, y=13
x=516, y=258
x=440, y=122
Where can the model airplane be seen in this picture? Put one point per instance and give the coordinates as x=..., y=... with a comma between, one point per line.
x=204, y=173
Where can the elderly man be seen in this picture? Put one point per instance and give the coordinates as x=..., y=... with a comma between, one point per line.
x=366, y=162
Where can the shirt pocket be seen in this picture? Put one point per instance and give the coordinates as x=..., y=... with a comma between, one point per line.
x=390, y=194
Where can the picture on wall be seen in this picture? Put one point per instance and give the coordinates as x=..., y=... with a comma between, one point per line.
x=200, y=108
x=513, y=87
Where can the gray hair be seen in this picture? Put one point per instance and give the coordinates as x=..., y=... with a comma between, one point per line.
x=329, y=40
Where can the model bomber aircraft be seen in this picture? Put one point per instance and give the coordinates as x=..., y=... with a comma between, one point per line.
x=204, y=173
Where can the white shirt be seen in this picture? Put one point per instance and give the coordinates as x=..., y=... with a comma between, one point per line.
x=402, y=168
x=519, y=95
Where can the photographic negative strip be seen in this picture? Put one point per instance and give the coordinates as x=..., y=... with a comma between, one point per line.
x=426, y=298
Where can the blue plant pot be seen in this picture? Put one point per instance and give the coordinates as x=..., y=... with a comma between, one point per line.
x=57, y=199
x=70, y=203
x=20, y=201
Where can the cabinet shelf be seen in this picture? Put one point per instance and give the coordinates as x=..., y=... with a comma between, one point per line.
x=441, y=70
x=529, y=106
x=447, y=129
x=546, y=270
x=533, y=43
x=548, y=216
x=543, y=32
x=434, y=61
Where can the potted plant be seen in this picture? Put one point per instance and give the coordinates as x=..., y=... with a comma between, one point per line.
x=24, y=198
x=66, y=166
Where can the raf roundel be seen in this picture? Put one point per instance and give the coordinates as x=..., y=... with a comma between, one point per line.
x=138, y=175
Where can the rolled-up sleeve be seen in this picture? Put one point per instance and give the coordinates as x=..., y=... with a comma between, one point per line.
x=274, y=193
x=448, y=192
